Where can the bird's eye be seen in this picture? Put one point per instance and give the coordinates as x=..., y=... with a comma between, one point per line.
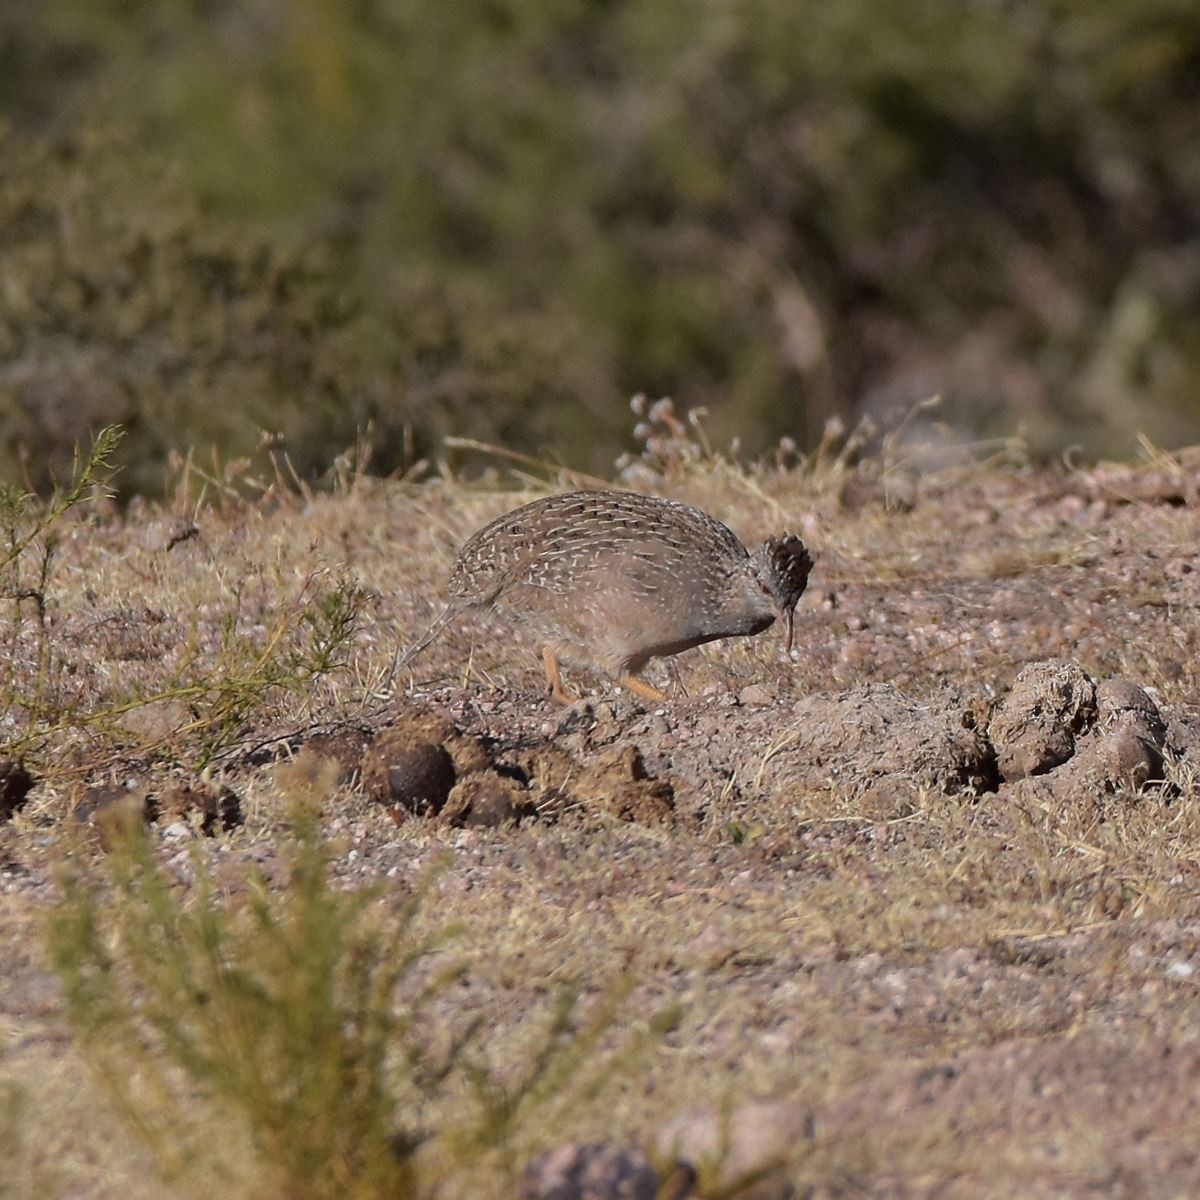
x=762, y=587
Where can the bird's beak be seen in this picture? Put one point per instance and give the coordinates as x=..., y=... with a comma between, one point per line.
x=788, y=617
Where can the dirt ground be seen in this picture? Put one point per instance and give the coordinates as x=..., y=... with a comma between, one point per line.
x=927, y=892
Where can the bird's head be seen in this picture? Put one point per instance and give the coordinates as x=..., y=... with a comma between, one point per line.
x=780, y=567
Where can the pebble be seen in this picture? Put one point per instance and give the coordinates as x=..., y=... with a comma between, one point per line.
x=757, y=695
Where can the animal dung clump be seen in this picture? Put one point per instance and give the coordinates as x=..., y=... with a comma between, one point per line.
x=411, y=773
x=15, y=783
x=485, y=799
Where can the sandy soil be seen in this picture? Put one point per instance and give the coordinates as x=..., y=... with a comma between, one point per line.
x=930, y=888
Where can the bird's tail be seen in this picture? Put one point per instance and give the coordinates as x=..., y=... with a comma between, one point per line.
x=401, y=660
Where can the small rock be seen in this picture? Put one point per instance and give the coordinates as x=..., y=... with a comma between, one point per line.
x=591, y=1171
x=757, y=695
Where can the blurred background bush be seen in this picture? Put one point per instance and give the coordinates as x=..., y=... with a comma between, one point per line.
x=500, y=218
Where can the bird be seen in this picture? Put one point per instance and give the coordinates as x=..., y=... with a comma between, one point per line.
x=614, y=578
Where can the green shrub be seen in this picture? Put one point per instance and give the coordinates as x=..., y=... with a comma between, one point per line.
x=778, y=209
x=312, y=1018
x=123, y=303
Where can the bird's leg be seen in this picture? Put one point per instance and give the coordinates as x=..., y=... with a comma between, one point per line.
x=557, y=691
x=641, y=688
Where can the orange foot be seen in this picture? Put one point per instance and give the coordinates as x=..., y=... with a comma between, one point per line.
x=641, y=688
x=557, y=691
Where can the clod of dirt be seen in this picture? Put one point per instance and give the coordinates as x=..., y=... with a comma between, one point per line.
x=115, y=813
x=408, y=772
x=424, y=722
x=755, y=1141
x=1183, y=738
x=589, y=1171
x=467, y=753
x=1121, y=751
x=484, y=799
x=15, y=783
x=616, y=783
x=1131, y=735
x=1035, y=726
x=877, y=732
x=1119, y=700
x=218, y=807
x=551, y=772
x=1124, y=761
x=345, y=748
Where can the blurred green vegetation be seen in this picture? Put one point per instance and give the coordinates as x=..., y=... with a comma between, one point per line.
x=503, y=217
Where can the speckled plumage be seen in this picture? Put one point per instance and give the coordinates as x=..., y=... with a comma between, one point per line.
x=617, y=578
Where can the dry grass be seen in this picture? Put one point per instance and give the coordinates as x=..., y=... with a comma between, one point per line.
x=918, y=969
